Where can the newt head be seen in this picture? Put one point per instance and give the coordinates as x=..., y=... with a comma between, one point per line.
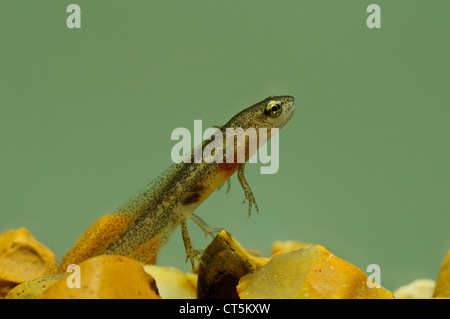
x=272, y=112
x=255, y=126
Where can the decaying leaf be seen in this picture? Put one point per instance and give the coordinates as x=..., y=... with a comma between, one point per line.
x=223, y=263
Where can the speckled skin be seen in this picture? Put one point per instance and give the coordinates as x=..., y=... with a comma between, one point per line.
x=142, y=226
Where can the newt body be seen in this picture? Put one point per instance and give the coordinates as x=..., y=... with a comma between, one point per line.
x=142, y=225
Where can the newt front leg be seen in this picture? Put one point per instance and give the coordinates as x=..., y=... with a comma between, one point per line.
x=247, y=190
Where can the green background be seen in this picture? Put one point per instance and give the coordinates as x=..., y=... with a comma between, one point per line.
x=86, y=117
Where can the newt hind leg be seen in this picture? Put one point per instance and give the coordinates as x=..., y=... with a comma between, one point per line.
x=191, y=253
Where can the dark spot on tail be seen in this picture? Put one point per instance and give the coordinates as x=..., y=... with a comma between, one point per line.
x=197, y=188
x=192, y=198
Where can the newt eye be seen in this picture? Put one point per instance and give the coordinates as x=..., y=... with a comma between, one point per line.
x=273, y=108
